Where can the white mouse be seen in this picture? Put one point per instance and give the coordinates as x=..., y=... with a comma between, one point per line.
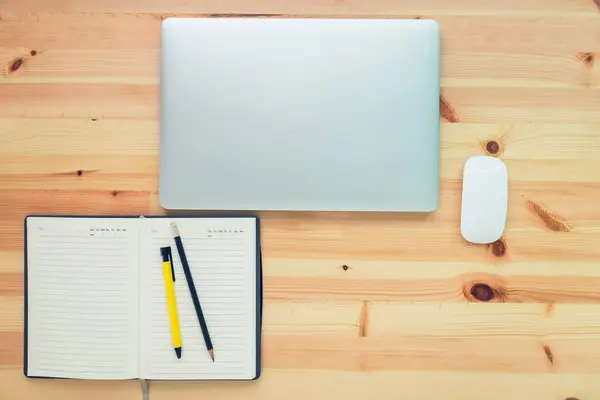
x=484, y=199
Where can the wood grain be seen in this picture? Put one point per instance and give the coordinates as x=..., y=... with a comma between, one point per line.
x=460, y=68
x=301, y=384
x=13, y=385
x=545, y=34
x=307, y=7
x=85, y=100
x=11, y=313
x=357, y=305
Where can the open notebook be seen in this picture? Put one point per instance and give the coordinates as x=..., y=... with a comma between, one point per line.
x=95, y=303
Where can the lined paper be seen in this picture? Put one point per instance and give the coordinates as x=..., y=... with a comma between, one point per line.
x=83, y=311
x=222, y=257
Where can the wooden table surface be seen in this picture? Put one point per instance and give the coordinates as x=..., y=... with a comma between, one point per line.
x=356, y=305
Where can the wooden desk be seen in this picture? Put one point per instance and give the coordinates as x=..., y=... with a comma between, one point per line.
x=356, y=305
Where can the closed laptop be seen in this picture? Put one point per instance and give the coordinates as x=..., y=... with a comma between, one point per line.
x=300, y=114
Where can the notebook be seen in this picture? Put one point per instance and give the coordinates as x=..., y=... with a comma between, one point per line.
x=95, y=304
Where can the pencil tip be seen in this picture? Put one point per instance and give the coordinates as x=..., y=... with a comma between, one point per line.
x=211, y=353
x=178, y=352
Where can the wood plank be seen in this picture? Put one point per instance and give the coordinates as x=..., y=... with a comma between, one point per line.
x=505, y=105
x=517, y=70
x=334, y=318
x=11, y=284
x=471, y=7
x=522, y=141
x=136, y=66
x=514, y=35
x=459, y=69
x=17, y=204
x=11, y=348
x=314, y=384
x=444, y=244
x=532, y=153
x=41, y=32
x=507, y=289
x=117, y=173
x=431, y=244
x=122, y=173
x=11, y=313
x=534, y=170
x=500, y=105
x=424, y=320
x=12, y=260
x=505, y=354
x=77, y=137
x=518, y=141
x=79, y=101
x=481, y=320
x=360, y=269
x=292, y=384
x=554, y=34
x=13, y=385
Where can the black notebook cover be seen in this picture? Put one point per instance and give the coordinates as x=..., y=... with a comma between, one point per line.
x=258, y=280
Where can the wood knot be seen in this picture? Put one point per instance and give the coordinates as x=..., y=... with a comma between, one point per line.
x=492, y=148
x=549, y=309
x=587, y=58
x=94, y=119
x=447, y=111
x=548, y=353
x=16, y=64
x=345, y=267
x=479, y=291
x=482, y=292
x=363, y=319
x=33, y=53
x=498, y=248
x=551, y=219
x=115, y=193
x=79, y=172
x=571, y=398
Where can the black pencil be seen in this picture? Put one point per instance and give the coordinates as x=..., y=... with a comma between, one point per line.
x=192, y=287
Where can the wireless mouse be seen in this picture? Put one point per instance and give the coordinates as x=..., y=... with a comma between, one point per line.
x=484, y=199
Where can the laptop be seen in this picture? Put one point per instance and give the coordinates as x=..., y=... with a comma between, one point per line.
x=299, y=114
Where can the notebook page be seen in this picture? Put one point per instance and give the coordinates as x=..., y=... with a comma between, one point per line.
x=83, y=297
x=222, y=257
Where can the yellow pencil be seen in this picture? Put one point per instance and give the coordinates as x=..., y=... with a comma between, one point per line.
x=169, y=275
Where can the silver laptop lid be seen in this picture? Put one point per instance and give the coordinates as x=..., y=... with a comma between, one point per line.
x=300, y=114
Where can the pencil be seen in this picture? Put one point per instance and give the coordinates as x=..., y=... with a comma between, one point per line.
x=192, y=287
x=169, y=277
